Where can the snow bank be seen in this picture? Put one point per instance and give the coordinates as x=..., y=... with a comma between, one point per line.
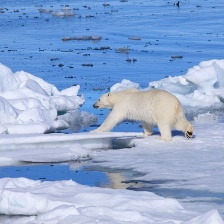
x=69, y=202
x=201, y=89
x=28, y=104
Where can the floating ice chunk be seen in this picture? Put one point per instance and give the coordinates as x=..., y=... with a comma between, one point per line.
x=62, y=14
x=125, y=84
x=84, y=38
x=207, y=74
x=201, y=87
x=26, y=99
x=45, y=10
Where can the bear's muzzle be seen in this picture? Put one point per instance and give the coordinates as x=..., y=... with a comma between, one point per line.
x=95, y=106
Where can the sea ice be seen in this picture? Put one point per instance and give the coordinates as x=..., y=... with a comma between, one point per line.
x=28, y=104
x=69, y=202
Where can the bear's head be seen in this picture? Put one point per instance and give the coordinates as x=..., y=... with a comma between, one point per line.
x=109, y=100
x=103, y=101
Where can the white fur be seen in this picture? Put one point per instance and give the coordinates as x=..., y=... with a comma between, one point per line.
x=153, y=108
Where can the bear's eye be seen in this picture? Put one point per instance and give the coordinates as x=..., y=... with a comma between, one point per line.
x=98, y=99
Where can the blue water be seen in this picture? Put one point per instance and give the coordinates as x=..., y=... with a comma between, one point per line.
x=31, y=40
x=54, y=172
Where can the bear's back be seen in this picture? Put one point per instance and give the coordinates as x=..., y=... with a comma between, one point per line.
x=156, y=102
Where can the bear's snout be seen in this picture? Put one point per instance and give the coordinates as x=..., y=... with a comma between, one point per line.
x=95, y=106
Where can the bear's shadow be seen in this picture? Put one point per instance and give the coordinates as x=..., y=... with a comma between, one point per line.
x=177, y=133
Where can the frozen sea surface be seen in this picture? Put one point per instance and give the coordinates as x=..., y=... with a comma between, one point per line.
x=143, y=42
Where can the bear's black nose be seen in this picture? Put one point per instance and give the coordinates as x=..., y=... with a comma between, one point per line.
x=95, y=106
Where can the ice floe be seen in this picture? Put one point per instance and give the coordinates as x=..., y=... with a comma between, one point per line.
x=29, y=104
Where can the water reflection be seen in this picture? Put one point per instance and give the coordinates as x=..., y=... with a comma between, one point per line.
x=76, y=171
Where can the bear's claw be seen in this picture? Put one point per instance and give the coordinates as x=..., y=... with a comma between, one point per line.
x=188, y=134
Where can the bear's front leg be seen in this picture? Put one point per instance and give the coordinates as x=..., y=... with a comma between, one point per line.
x=148, y=129
x=111, y=121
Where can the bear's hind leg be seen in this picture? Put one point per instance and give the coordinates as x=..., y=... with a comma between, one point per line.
x=185, y=126
x=165, y=131
x=148, y=129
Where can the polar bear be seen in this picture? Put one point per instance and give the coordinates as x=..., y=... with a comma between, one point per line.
x=153, y=108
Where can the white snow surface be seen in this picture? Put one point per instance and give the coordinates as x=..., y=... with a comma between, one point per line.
x=193, y=169
x=28, y=104
x=198, y=166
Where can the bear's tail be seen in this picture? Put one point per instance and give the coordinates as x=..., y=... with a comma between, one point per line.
x=189, y=131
